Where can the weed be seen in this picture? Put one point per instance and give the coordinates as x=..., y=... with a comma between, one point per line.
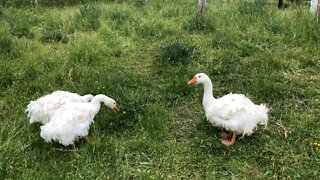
x=224, y=61
x=175, y=53
x=89, y=18
x=6, y=79
x=117, y=1
x=1, y=13
x=147, y=29
x=16, y=3
x=150, y=29
x=252, y=7
x=155, y=121
x=20, y=25
x=87, y=51
x=110, y=37
x=66, y=2
x=311, y=31
x=200, y=22
x=119, y=16
x=140, y=3
x=57, y=36
x=122, y=21
x=221, y=40
x=130, y=111
x=53, y=32
x=274, y=24
x=245, y=48
x=7, y=45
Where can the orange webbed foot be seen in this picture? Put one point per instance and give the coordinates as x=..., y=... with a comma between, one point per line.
x=227, y=142
x=232, y=141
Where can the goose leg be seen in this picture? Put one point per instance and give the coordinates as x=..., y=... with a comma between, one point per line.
x=223, y=134
x=232, y=141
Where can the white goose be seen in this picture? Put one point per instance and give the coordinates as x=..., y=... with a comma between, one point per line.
x=41, y=109
x=72, y=120
x=234, y=112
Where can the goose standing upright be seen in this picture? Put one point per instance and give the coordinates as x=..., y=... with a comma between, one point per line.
x=72, y=120
x=234, y=112
x=41, y=109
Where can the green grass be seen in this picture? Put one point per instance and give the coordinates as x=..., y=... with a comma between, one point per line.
x=142, y=53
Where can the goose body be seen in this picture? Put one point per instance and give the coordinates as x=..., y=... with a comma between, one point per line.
x=72, y=120
x=41, y=109
x=233, y=112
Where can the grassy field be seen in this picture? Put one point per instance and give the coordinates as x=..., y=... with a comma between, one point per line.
x=143, y=54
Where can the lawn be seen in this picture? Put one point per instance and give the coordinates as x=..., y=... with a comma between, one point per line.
x=142, y=54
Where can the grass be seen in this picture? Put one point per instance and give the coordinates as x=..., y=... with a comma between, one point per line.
x=131, y=51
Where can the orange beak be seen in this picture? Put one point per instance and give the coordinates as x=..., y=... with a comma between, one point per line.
x=192, y=81
x=115, y=108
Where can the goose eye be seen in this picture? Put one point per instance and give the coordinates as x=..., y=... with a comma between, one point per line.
x=199, y=76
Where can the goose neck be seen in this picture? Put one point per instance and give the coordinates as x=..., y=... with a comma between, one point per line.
x=207, y=94
x=96, y=101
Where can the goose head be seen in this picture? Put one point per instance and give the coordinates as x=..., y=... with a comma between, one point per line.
x=199, y=78
x=111, y=103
